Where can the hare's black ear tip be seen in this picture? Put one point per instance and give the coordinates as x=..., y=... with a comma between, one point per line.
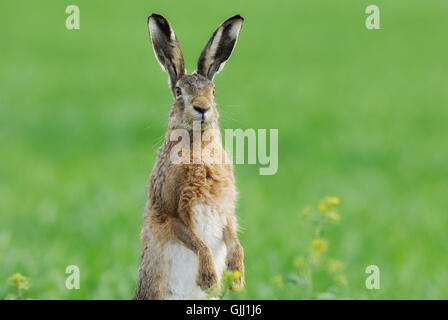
x=233, y=19
x=237, y=17
x=151, y=17
x=156, y=16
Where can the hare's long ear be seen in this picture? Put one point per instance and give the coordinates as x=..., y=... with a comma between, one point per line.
x=166, y=48
x=220, y=46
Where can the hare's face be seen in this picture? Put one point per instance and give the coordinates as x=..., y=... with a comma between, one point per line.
x=193, y=93
x=194, y=103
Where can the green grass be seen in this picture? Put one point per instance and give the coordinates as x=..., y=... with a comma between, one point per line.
x=361, y=115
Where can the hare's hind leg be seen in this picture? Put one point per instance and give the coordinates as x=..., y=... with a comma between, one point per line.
x=152, y=282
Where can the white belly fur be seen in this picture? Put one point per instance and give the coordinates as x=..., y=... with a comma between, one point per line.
x=209, y=225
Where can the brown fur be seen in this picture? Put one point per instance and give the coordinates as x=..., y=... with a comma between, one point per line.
x=174, y=189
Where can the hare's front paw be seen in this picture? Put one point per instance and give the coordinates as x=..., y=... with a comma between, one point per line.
x=235, y=263
x=207, y=275
x=206, y=279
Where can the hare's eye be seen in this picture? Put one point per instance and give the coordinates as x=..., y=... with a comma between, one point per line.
x=213, y=90
x=178, y=91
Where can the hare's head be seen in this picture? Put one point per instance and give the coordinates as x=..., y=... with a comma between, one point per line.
x=193, y=93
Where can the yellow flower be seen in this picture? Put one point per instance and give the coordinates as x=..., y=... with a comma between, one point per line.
x=278, y=281
x=19, y=281
x=236, y=274
x=335, y=266
x=317, y=247
x=323, y=207
x=299, y=262
x=328, y=202
x=333, y=201
x=332, y=216
x=341, y=280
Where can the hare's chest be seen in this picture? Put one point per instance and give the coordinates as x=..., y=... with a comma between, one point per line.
x=209, y=222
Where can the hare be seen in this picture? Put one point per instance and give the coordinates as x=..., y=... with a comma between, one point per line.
x=189, y=234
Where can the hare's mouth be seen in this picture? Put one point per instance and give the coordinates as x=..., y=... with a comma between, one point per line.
x=203, y=118
x=205, y=121
x=201, y=115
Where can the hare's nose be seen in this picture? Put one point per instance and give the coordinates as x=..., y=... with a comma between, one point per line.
x=201, y=110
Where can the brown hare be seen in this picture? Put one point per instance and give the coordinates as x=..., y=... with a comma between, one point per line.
x=189, y=235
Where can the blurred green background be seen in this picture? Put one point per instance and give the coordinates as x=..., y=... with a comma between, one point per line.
x=362, y=115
